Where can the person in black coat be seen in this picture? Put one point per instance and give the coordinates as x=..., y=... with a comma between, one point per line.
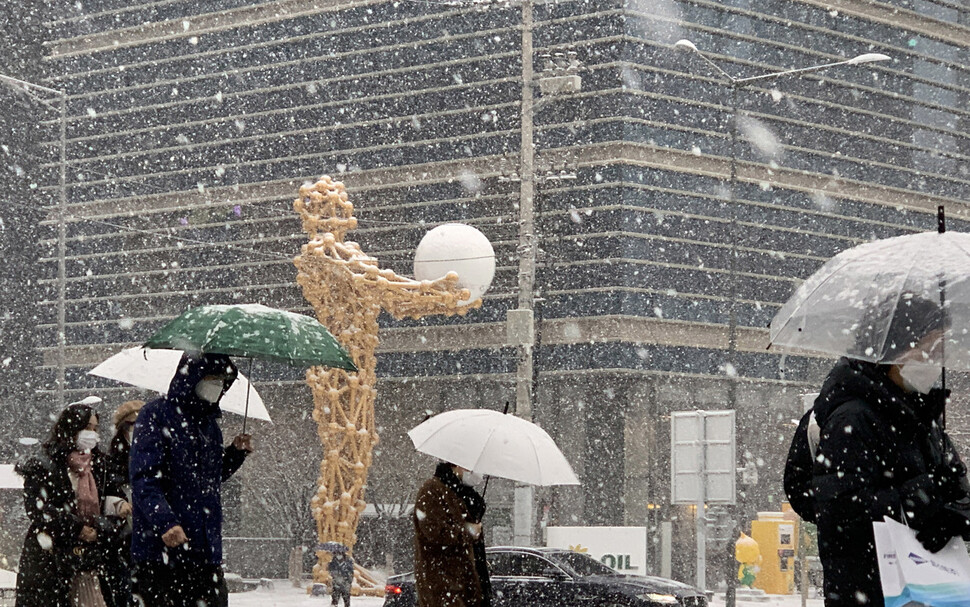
x=881, y=452
x=117, y=566
x=177, y=466
x=65, y=505
x=341, y=570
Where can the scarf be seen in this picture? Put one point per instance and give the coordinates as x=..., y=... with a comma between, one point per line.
x=87, y=490
x=473, y=501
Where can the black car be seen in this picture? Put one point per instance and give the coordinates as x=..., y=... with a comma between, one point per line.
x=551, y=577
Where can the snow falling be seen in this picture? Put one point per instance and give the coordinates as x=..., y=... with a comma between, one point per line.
x=652, y=235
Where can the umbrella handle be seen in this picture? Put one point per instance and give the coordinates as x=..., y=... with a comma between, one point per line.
x=249, y=387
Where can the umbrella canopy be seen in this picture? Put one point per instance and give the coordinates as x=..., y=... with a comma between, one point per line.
x=154, y=370
x=861, y=301
x=495, y=444
x=253, y=331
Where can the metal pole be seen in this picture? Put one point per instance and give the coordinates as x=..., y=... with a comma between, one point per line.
x=733, y=255
x=730, y=596
x=523, y=515
x=731, y=356
x=61, y=258
x=803, y=568
x=701, y=518
x=27, y=87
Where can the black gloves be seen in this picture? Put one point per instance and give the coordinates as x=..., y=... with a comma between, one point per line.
x=941, y=485
x=947, y=478
x=937, y=397
x=921, y=490
x=939, y=530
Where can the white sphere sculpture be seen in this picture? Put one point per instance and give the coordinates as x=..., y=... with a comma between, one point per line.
x=459, y=248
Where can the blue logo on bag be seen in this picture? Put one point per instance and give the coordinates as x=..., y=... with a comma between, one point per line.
x=916, y=558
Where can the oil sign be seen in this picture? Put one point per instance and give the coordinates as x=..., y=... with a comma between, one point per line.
x=622, y=548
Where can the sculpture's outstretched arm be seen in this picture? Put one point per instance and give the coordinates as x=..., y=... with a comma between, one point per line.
x=398, y=295
x=404, y=297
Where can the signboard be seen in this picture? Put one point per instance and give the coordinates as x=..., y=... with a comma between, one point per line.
x=622, y=548
x=702, y=446
x=10, y=479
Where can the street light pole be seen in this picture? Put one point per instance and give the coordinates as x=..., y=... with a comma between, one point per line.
x=736, y=84
x=27, y=87
x=523, y=494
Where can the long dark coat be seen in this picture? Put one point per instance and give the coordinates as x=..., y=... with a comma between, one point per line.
x=444, y=557
x=177, y=468
x=341, y=572
x=876, y=441
x=49, y=560
x=117, y=565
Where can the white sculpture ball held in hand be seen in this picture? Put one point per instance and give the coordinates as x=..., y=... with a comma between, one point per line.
x=459, y=248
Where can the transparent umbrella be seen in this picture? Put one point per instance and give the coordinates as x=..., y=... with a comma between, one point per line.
x=857, y=301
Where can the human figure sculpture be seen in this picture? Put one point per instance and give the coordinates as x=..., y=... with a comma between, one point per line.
x=348, y=289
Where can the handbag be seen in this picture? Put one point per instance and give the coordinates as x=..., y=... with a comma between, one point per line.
x=86, y=590
x=910, y=573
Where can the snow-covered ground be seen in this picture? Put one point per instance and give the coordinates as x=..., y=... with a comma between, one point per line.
x=774, y=600
x=285, y=595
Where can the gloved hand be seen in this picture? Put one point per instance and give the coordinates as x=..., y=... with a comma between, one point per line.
x=942, y=484
x=937, y=397
x=930, y=406
x=947, y=477
x=939, y=530
x=921, y=490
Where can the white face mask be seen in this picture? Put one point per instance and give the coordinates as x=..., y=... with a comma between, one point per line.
x=209, y=390
x=86, y=440
x=130, y=434
x=472, y=479
x=919, y=377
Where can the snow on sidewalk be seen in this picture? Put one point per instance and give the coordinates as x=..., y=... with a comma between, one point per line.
x=773, y=600
x=284, y=594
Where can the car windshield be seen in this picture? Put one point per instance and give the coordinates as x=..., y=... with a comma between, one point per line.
x=582, y=564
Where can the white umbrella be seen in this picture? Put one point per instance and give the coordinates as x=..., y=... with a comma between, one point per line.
x=154, y=369
x=494, y=444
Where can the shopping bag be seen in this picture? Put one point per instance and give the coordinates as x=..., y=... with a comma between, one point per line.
x=910, y=573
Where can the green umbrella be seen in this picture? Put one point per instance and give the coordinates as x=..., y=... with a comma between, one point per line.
x=253, y=331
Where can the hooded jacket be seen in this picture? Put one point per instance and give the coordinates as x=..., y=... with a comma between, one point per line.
x=177, y=468
x=877, y=446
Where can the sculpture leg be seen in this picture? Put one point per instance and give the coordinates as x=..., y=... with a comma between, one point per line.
x=344, y=412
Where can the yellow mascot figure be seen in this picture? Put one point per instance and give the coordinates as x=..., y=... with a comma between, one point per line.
x=747, y=553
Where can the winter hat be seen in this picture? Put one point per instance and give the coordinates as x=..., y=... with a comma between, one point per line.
x=913, y=318
x=126, y=409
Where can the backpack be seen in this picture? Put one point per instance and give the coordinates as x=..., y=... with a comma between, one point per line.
x=798, y=468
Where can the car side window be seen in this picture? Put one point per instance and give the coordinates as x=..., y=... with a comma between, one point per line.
x=528, y=565
x=499, y=564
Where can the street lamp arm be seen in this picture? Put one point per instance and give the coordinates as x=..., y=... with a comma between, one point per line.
x=687, y=45
x=16, y=83
x=867, y=58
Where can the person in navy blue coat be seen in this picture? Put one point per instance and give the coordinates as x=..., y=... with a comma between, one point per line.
x=178, y=464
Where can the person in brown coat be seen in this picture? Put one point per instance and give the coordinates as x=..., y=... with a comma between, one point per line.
x=449, y=546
